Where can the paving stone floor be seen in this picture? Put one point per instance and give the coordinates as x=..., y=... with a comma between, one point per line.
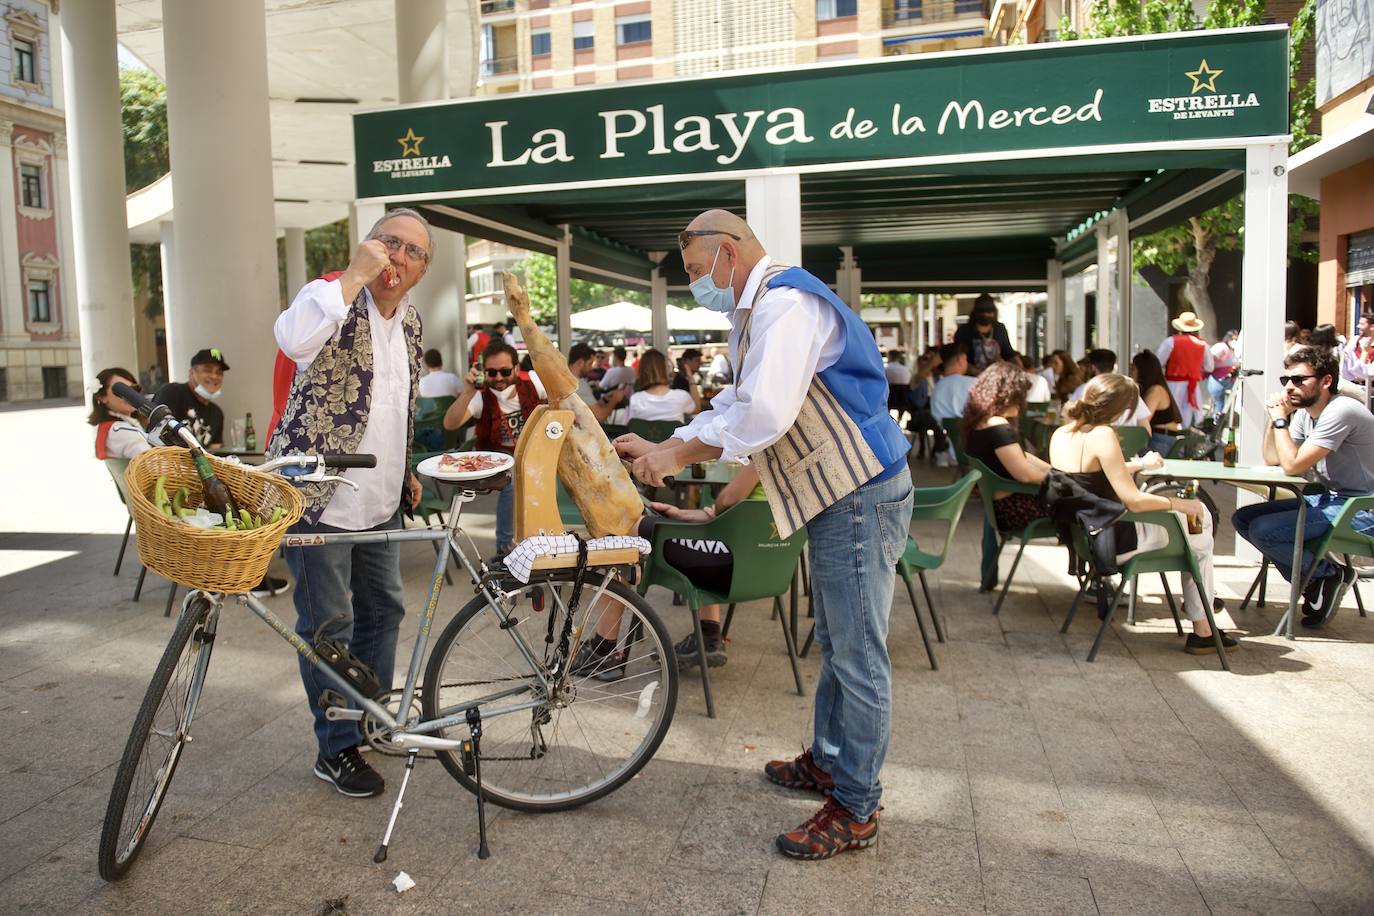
x=1020, y=780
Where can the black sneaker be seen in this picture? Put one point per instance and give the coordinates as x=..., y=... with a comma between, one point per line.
x=1203, y=645
x=350, y=774
x=270, y=586
x=598, y=659
x=1318, y=613
x=686, y=652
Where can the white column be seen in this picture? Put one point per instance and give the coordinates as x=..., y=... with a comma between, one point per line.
x=932, y=305
x=439, y=296
x=362, y=216
x=421, y=50
x=295, y=262
x=170, y=300
x=919, y=326
x=1105, y=322
x=104, y=294
x=1054, y=305
x=460, y=324
x=1262, y=287
x=1125, y=268
x=772, y=205
x=658, y=303
x=563, y=279
x=12, y=298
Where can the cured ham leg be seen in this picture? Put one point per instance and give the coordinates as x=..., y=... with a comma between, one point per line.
x=588, y=465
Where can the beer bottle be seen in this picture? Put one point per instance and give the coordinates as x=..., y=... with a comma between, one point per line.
x=217, y=495
x=250, y=437
x=1194, y=522
x=1228, y=451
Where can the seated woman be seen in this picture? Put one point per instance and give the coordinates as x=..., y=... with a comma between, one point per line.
x=655, y=399
x=1166, y=423
x=1087, y=449
x=118, y=432
x=990, y=435
x=707, y=563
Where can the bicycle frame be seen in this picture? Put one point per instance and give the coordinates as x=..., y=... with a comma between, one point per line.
x=418, y=734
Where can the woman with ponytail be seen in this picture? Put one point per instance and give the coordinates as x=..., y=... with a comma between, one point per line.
x=1086, y=448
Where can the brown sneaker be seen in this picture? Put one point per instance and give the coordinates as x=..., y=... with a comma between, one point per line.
x=800, y=773
x=830, y=831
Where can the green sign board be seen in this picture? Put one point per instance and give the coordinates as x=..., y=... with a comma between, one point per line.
x=1201, y=86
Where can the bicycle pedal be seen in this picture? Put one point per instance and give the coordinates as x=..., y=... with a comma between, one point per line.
x=509, y=622
x=348, y=666
x=331, y=699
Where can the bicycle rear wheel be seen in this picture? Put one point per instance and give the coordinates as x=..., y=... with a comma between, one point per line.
x=159, y=734
x=579, y=741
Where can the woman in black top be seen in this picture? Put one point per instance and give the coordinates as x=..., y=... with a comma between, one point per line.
x=1166, y=423
x=990, y=435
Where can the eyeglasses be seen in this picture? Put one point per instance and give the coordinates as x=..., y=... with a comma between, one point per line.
x=503, y=373
x=413, y=251
x=1295, y=380
x=684, y=238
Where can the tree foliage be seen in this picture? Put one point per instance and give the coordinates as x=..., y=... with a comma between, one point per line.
x=541, y=282
x=1193, y=245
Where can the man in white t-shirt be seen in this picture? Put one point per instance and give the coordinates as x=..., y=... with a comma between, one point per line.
x=500, y=411
x=580, y=359
x=436, y=383
x=619, y=375
x=950, y=397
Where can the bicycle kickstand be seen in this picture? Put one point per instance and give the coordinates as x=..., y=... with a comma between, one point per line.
x=474, y=718
x=380, y=855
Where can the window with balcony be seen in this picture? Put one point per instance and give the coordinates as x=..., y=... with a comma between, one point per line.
x=633, y=29
x=31, y=186
x=23, y=61
x=584, y=35
x=541, y=42
x=40, y=303
x=836, y=9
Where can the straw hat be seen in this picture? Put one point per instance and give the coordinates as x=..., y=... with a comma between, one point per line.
x=1188, y=323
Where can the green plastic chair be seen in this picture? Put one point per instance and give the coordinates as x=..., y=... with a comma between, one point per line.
x=994, y=538
x=1133, y=439
x=1343, y=539
x=763, y=567
x=654, y=430
x=954, y=429
x=430, y=435
x=931, y=504
x=1175, y=556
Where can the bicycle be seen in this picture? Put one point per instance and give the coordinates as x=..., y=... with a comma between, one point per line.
x=489, y=695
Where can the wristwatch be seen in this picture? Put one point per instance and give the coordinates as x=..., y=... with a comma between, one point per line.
x=1279, y=423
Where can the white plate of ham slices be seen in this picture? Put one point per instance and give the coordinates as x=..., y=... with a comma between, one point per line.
x=466, y=465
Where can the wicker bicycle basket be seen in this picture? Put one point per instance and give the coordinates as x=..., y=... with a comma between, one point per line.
x=213, y=560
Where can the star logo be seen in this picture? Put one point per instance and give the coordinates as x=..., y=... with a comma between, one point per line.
x=773, y=534
x=1204, y=77
x=410, y=144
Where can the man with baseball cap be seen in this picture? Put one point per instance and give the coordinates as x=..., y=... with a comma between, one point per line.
x=193, y=401
x=1186, y=359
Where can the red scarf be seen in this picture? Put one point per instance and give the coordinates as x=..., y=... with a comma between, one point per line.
x=102, y=439
x=490, y=423
x=1185, y=364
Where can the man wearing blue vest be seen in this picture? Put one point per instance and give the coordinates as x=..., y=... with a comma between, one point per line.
x=808, y=408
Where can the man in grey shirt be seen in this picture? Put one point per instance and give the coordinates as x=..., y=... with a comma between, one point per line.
x=1315, y=432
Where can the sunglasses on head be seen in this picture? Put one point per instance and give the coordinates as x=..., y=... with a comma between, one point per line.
x=504, y=373
x=684, y=238
x=1295, y=380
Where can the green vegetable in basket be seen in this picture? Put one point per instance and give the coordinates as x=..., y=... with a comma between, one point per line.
x=160, y=496
x=246, y=520
x=179, y=500
x=278, y=513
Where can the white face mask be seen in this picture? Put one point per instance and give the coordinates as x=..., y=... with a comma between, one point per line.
x=208, y=395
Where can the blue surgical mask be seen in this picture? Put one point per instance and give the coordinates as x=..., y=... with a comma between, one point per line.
x=715, y=298
x=208, y=394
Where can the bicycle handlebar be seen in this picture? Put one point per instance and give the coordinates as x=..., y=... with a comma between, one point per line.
x=349, y=461
x=140, y=403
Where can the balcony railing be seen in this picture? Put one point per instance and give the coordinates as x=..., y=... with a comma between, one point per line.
x=499, y=66
x=497, y=6
x=915, y=12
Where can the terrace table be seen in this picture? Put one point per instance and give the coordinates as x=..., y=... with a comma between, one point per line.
x=1250, y=477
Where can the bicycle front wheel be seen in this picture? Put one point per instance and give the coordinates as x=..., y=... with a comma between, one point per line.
x=576, y=738
x=159, y=735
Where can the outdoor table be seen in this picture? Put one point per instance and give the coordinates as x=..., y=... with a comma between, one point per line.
x=1247, y=477
x=257, y=456
x=715, y=475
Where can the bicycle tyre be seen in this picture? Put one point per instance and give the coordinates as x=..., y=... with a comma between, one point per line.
x=661, y=662
x=186, y=658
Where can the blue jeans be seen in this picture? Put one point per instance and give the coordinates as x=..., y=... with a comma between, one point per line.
x=855, y=545
x=350, y=593
x=1271, y=526
x=1216, y=390
x=505, y=519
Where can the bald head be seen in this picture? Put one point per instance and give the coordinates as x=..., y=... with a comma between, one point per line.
x=722, y=244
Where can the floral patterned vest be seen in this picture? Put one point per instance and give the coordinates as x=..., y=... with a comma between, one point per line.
x=327, y=409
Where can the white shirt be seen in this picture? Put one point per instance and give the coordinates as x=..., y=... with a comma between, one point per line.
x=897, y=374
x=440, y=384
x=1223, y=357
x=616, y=377
x=1166, y=349
x=1039, y=392
x=793, y=337
x=1048, y=375
x=950, y=397
x=508, y=398
x=315, y=316
x=674, y=404
x=126, y=439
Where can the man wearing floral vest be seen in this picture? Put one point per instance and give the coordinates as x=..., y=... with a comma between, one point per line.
x=808, y=409
x=355, y=340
